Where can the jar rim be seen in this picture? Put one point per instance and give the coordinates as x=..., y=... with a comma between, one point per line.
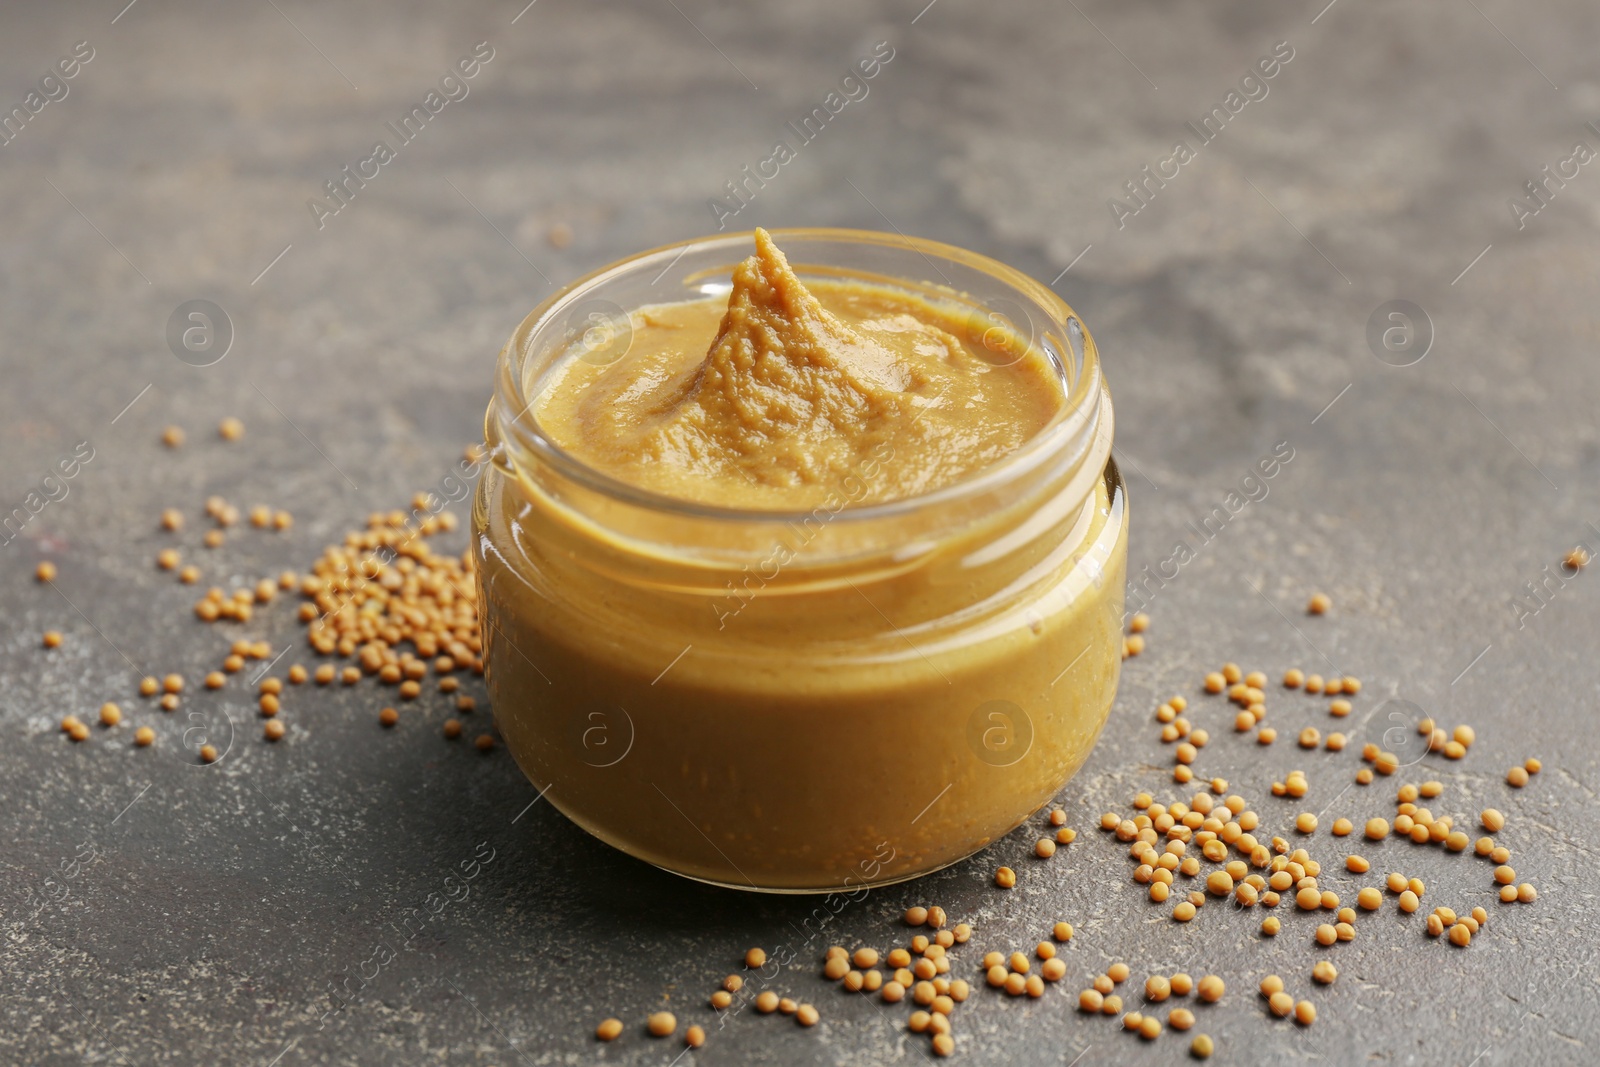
x=1077, y=417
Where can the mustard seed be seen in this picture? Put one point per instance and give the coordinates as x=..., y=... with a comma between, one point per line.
x=1526, y=893
x=662, y=1024
x=208, y=753
x=1324, y=972
x=484, y=742
x=1062, y=931
x=110, y=714
x=1281, y=1004
x=1005, y=877
x=767, y=1002
x=169, y=702
x=943, y=1045
x=806, y=1015
x=1319, y=604
x=1270, y=926
x=144, y=737
x=1504, y=875
x=755, y=957
x=52, y=639
x=1408, y=902
x=1091, y=1000
x=1377, y=829
x=1210, y=989
x=1305, y=1013
x=273, y=731
x=609, y=1030
x=1202, y=1047
x=1517, y=777
x=230, y=429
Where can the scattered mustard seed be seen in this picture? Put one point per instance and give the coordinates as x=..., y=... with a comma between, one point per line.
x=1319, y=604
x=662, y=1024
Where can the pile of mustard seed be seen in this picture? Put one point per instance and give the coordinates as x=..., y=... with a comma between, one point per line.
x=382, y=600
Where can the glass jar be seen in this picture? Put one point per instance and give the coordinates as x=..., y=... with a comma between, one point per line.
x=802, y=701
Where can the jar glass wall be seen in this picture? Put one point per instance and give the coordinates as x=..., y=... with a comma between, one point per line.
x=813, y=700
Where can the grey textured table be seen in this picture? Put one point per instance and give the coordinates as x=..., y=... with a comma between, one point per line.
x=156, y=911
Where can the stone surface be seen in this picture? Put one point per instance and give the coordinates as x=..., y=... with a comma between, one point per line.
x=157, y=911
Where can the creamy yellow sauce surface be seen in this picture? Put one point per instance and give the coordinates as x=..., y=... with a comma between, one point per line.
x=770, y=399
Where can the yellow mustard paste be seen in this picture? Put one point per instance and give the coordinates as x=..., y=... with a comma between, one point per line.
x=798, y=718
